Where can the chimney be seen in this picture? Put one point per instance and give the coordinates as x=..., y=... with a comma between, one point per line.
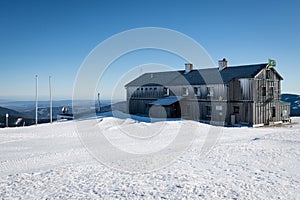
x=188, y=67
x=222, y=64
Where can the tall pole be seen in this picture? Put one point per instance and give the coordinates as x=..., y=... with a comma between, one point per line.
x=50, y=99
x=98, y=102
x=6, y=119
x=36, y=99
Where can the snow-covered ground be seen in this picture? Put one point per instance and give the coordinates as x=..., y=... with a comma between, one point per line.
x=50, y=161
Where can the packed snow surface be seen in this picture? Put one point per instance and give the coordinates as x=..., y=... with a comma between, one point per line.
x=50, y=161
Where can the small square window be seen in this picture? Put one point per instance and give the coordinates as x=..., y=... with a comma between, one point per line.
x=166, y=91
x=236, y=109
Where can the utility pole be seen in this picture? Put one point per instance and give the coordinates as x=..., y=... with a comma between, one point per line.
x=36, y=99
x=50, y=99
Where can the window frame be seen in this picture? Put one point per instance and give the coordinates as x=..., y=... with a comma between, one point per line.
x=210, y=91
x=166, y=91
x=263, y=91
x=273, y=111
x=185, y=91
x=268, y=74
x=197, y=91
x=236, y=110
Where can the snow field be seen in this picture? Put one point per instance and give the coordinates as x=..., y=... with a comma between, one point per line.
x=49, y=161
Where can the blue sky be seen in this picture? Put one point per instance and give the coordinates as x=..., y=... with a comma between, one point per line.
x=54, y=37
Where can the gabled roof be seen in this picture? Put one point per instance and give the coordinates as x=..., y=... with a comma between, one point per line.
x=198, y=77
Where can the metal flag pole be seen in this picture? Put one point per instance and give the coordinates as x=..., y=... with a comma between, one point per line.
x=36, y=99
x=50, y=99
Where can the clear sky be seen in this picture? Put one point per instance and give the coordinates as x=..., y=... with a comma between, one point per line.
x=54, y=37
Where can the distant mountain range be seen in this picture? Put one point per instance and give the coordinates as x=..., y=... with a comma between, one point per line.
x=13, y=117
x=294, y=99
x=26, y=111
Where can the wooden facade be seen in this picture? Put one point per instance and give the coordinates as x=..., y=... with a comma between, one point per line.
x=250, y=99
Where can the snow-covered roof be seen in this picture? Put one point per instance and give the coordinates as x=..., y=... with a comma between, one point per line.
x=166, y=101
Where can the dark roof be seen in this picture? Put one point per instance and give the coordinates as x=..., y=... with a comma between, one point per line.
x=198, y=77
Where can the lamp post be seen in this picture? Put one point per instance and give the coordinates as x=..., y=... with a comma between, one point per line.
x=6, y=119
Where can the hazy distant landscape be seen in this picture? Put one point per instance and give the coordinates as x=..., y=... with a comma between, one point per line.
x=26, y=109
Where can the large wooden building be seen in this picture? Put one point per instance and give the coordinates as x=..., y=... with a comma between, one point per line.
x=240, y=95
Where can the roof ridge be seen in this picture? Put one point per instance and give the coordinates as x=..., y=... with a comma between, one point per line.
x=249, y=65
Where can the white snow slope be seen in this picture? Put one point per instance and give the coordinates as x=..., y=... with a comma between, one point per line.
x=49, y=162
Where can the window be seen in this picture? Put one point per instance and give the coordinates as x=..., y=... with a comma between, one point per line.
x=236, y=110
x=273, y=111
x=185, y=91
x=137, y=92
x=197, y=91
x=166, y=91
x=271, y=91
x=264, y=91
x=268, y=72
x=210, y=91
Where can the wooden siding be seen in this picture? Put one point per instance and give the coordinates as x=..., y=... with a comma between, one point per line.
x=241, y=90
x=256, y=99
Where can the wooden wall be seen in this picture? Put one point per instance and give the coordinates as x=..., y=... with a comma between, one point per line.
x=216, y=102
